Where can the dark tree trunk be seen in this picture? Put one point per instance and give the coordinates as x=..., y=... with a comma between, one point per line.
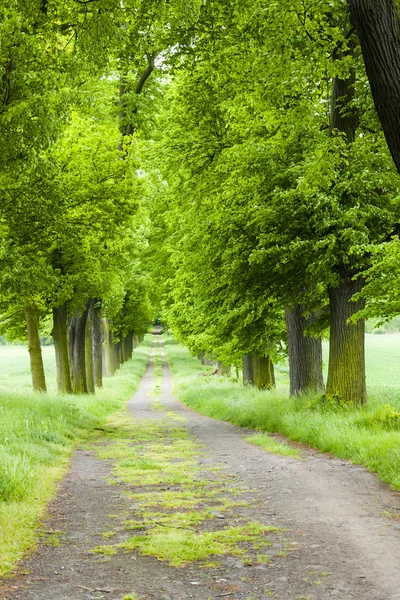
x=77, y=346
x=130, y=344
x=89, y=358
x=305, y=354
x=201, y=356
x=259, y=371
x=344, y=117
x=35, y=351
x=96, y=333
x=377, y=25
x=60, y=338
x=346, y=375
x=247, y=369
x=128, y=347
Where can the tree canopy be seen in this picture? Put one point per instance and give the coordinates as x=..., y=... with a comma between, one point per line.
x=219, y=164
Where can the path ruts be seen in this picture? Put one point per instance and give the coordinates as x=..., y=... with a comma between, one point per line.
x=338, y=543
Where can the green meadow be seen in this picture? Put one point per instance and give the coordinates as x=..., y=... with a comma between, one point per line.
x=38, y=433
x=368, y=435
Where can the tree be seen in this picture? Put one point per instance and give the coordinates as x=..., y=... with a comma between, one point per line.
x=378, y=27
x=244, y=135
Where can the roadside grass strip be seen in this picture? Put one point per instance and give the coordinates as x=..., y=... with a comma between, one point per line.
x=180, y=508
x=265, y=441
x=367, y=435
x=38, y=433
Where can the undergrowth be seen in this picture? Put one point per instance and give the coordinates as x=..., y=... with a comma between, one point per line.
x=37, y=435
x=367, y=435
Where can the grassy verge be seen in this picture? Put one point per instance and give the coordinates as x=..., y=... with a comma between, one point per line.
x=367, y=435
x=37, y=435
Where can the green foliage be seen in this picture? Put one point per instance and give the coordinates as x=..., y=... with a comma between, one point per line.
x=384, y=416
x=260, y=204
x=328, y=402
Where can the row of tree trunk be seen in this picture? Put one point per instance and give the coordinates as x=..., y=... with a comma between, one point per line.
x=85, y=347
x=346, y=370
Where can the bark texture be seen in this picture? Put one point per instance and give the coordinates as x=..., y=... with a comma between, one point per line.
x=378, y=29
x=346, y=375
x=117, y=355
x=96, y=333
x=35, y=351
x=60, y=339
x=108, y=368
x=89, y=358
x=259, y=371
x=77, y=351
x=305, y=354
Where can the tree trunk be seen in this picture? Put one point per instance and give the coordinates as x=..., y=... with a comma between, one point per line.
x=346, y=374
x=224, y=369
x=60, y=339
x=343, y=117
x=247, y=369
x=96, y=333
x=108, y=349
x=116, y=349
x=305, y=354
x=89, y=358
x=377, y=25
x=34, y=348
x=259, y=371
x=77, y=346
x=130, y=344
x=128, y=347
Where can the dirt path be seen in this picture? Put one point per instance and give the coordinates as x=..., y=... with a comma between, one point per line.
x=333, y=538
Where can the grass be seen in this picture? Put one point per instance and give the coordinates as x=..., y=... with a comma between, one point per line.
x=263, y=440
x=367, y=435
x=37, y=435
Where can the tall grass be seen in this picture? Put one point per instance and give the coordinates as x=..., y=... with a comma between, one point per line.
x=367, y=435
x=37, y=435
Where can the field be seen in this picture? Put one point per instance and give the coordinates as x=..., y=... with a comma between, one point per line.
x=382, y=364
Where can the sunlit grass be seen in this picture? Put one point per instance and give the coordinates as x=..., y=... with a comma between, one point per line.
x=265, y=441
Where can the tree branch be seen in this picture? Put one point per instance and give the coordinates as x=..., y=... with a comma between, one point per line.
x=147, y=72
